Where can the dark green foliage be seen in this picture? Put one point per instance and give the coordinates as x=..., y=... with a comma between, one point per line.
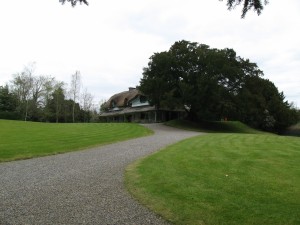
x=256, y=5
x=55, y=106
x=8, y=104
x=204, y=80
x=213, y=126
x=293, y=130
x=156, y=80
x=215, y=84
x=186, y=76
x=59, y=109
x=7, y=115
x=264, y=107
x=8, y=101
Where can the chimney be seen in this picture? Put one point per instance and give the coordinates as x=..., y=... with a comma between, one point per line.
x=131, y=88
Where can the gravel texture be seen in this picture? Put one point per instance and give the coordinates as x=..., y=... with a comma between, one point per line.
x=84, y=187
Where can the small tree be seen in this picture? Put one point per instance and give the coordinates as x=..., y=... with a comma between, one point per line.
x=59, y=98
x=75, y=90
x=87, y=103
x=8, y=104
x=22, y=84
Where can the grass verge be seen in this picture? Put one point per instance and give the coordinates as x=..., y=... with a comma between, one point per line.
x=222, y=179
x=22, y=140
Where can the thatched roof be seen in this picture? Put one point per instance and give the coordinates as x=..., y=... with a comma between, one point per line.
x=121, y=99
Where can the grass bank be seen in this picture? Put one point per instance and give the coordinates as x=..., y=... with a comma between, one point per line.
x=293, y=130
x=21, y=140
x=222, y=179
x=214, y=127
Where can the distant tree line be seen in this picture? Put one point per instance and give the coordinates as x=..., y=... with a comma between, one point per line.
x=44, y=99
x=215, y=84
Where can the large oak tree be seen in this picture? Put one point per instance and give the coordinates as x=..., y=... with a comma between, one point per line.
x=213, y=84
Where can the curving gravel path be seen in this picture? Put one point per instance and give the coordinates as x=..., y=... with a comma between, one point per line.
x=84, y=187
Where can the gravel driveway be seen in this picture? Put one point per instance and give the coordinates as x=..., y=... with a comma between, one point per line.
x=84, y=187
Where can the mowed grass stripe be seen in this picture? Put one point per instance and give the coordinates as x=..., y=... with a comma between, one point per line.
x=222, y=179
x=20, y=140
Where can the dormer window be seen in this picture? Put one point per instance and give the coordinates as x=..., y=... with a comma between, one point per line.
x=125, y=101
x=143, y=99
x=112, y=104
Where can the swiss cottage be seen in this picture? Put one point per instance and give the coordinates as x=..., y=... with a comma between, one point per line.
x=133, y=106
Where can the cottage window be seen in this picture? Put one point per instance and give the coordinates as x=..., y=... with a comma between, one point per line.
x=143, y=99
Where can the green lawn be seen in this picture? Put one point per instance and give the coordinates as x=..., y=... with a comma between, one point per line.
x=223, y=179
x=21, y=140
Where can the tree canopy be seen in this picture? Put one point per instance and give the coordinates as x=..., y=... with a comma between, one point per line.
x=214, y=84
x=256, y=5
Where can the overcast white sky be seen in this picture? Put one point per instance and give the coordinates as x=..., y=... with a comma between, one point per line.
x=110, y=42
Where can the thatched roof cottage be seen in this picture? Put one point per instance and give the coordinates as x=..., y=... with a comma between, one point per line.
x=133, y=106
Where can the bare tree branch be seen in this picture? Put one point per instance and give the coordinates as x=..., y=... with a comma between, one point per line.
x=74, y=2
